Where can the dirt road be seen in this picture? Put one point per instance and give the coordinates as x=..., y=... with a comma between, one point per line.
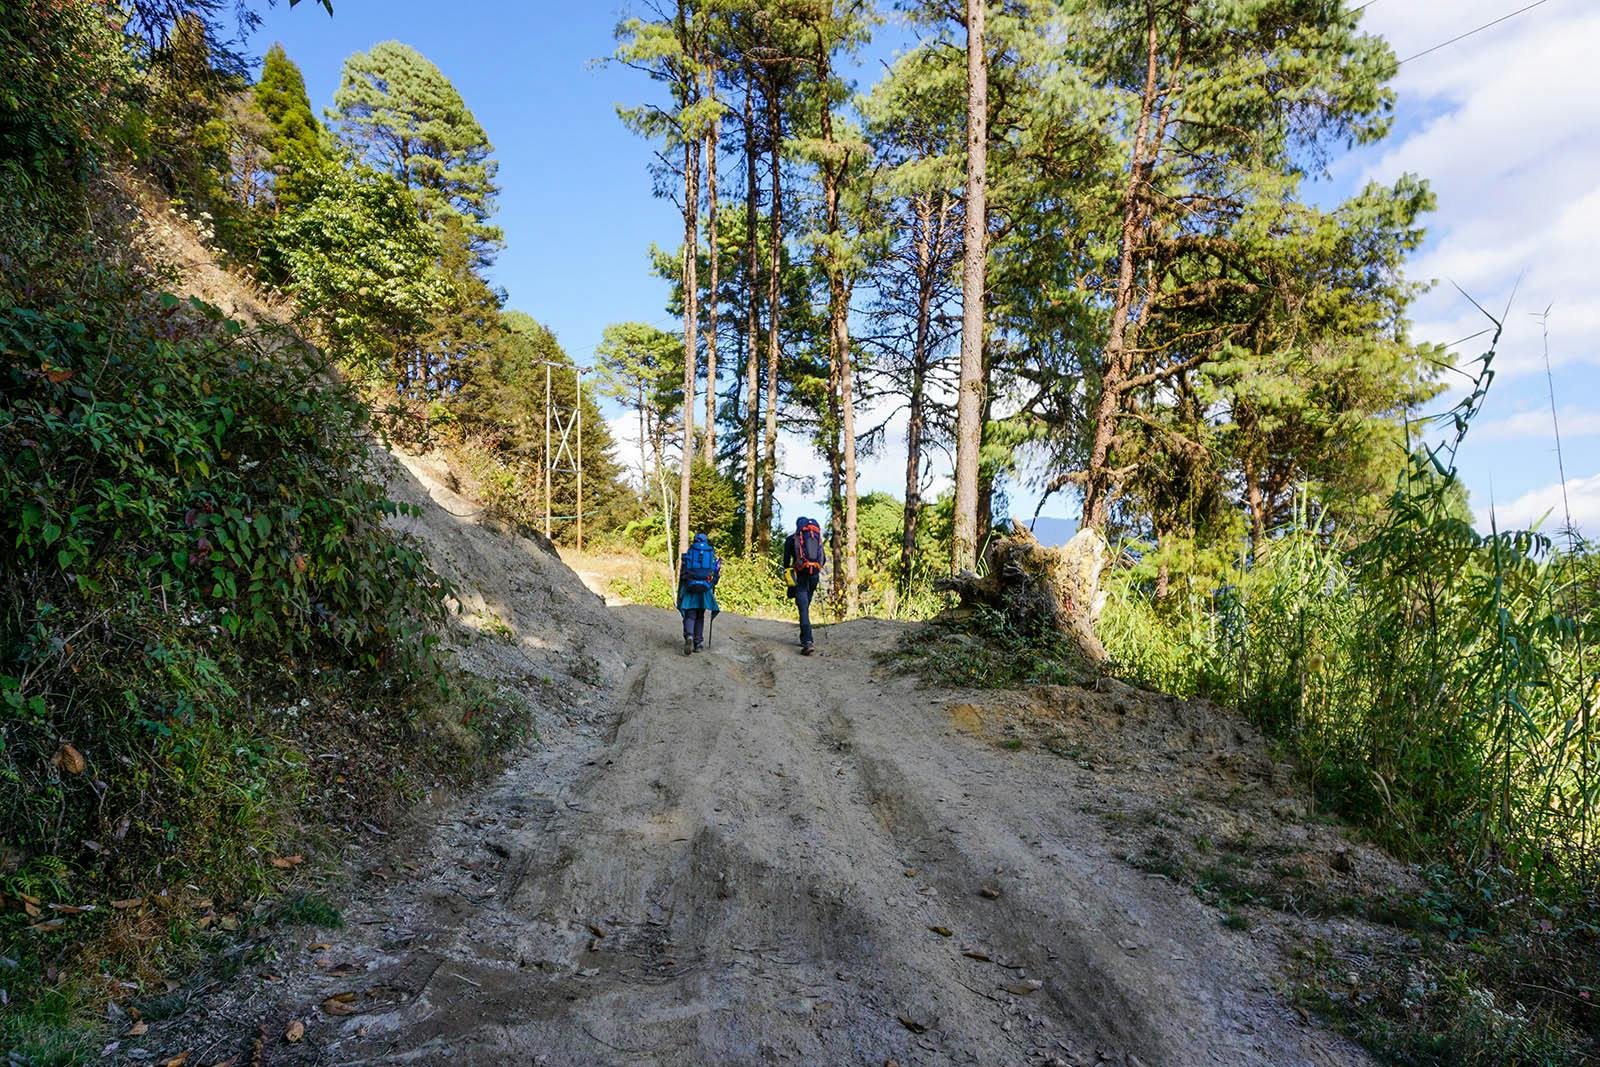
x=741, y=857
x=751, y=857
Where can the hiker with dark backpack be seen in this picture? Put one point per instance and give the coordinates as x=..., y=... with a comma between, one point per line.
x=803, y=560
x=698, y=573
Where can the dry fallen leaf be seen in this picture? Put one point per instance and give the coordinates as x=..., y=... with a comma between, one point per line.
x=989, y=892
x=70, y=760
x=911, y=1024
x=1024, y=987
x=942, y=931
x=48, y=925
x=30, y=908
x=285, y=862
x=229, y=1062
x=177, y=1061
x=974, y=954
x=130, y=902
x=340, y=1004
x=318, y=946
x=138, y=1028
x=296, y=1031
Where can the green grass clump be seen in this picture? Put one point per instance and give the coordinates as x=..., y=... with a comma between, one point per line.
x=308, y=909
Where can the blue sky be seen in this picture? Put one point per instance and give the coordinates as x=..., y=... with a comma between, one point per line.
x=1505, y=124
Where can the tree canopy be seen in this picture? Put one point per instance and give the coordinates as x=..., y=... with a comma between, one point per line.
x=398, y=112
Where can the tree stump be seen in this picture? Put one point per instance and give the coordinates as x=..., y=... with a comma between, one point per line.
x=1042, y=589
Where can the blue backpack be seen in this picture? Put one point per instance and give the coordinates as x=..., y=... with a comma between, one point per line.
x=699, y=567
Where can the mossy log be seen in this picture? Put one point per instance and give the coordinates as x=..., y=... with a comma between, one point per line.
x=1042, y=588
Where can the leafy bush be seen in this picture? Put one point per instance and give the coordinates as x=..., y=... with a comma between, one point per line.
x=985, y=649
x=359, y=261
x=198, y=589
x=63, y=69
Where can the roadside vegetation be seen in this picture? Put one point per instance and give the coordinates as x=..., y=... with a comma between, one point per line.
x=215, y=655
x=203, y=593
x=1434, y=686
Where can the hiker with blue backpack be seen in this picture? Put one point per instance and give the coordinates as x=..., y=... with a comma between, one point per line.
x=803, y=560
x=698, y=574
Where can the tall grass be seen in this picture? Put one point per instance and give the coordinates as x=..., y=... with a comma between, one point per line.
x=1431, y=679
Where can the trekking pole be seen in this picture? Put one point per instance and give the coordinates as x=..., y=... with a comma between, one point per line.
x=711, y=625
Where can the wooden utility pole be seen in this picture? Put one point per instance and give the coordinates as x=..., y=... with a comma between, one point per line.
x=548, y=459
x=578, y=377
x=969, y=400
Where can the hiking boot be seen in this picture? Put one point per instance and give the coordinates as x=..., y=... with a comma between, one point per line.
x=698, y=647
x=805, y=650
x=688, y=645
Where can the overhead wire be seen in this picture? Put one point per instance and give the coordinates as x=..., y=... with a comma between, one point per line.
x=1469, y=33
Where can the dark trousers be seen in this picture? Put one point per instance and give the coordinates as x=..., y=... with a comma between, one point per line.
x=694, y=624
x=804, y=590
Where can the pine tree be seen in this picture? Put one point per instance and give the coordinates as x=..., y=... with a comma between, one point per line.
x=969, y=400
x=397, y=111
x=915, y=125
x=297, y=137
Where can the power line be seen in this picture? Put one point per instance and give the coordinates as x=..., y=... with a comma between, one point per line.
x=1469, y=33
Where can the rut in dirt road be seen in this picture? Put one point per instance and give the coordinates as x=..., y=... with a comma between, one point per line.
x=744, y=856
x=750, y=857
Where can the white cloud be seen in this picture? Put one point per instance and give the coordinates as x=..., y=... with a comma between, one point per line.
x=1509, y=141
x=1546, y=507
x=1534, y=424
x=625, y=433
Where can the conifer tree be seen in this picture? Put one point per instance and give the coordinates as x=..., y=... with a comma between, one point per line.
x=397, y=111
x=280, y=93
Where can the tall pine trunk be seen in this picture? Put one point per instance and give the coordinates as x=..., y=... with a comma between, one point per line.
x=691, y=317
x=1097, y=480
x=927, y=240
x=713, y=298
x=752, y=320
x=969, y=398
x=852, y=538
x=769, y=458
x=841, y=404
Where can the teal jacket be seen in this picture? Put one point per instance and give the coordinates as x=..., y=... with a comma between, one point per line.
x=689, y=600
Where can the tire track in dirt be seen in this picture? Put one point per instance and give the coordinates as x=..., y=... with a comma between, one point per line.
x=749, y=857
